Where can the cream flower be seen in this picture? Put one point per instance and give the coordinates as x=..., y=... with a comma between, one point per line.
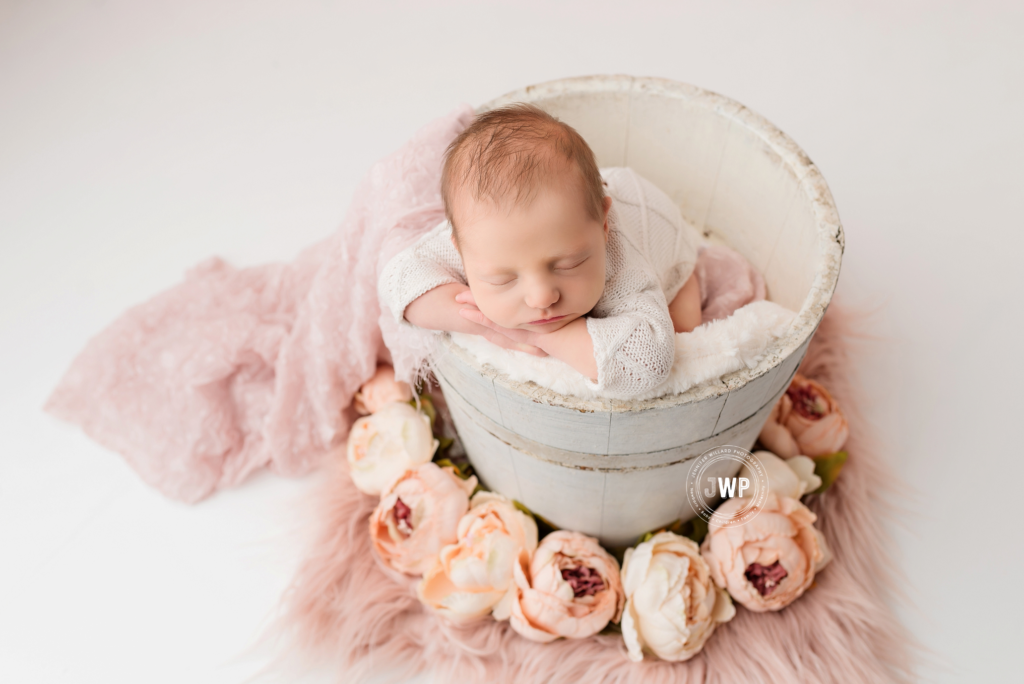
x=474, y=576
x=768, y=562
x=419, y=514
x=380, y=390
x=384, y=445
x=806, y=420
x=572, y=589
x=792, y=477
x=672, y=604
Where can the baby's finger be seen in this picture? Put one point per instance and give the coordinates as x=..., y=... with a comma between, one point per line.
x=498, y=339
x=505, y=343
x=465, y=297
x=530, y=349
x=476, y=316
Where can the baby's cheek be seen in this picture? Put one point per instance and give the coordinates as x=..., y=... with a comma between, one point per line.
x=588, y=290
x=495, y=308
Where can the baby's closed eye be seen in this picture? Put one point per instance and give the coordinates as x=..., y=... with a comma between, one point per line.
x=570, y=265
x=498, y=281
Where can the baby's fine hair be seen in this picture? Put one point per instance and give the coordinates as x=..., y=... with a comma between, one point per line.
x=505, y=153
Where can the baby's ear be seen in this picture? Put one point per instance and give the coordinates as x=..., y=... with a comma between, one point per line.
x=607, y=202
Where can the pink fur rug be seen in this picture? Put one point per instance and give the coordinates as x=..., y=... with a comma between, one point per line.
x=345, y=607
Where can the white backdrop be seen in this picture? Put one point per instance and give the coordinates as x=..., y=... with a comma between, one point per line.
x=137, y=139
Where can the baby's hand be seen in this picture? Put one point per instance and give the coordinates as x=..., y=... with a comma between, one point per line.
x=506, y=338
x=466, y=297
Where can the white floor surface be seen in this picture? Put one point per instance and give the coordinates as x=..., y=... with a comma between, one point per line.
x=137, y=139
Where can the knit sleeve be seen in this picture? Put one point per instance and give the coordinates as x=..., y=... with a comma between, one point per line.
x=667, y=240
x=632, y=333
x=426, y=264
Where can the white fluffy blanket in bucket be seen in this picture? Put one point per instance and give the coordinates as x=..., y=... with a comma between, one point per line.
x=714, y=349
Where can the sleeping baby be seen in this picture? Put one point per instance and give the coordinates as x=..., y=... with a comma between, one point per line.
x=544, y=253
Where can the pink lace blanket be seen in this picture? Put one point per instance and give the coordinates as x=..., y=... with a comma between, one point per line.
x=234, y=369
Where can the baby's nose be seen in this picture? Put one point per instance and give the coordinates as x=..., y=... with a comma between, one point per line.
x=542, y=297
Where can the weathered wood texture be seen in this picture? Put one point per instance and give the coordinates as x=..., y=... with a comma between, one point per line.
x=615, y=469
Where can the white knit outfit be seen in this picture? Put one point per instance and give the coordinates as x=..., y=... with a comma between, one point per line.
x=652, y=251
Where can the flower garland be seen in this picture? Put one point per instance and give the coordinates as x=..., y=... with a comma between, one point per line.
x=480, y=554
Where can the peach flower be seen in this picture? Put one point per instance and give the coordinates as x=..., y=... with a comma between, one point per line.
x=379, y=390
x=792, y=477
x=672, y=604
x=768, y=562
x=573, y=589
x=806, y=420
x=385, y=444
x=474, y=576
x=418, y=514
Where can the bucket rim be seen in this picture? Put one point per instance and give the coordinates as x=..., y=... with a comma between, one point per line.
x=830, y=246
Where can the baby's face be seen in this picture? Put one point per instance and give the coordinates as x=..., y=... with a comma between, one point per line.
x=537, y=267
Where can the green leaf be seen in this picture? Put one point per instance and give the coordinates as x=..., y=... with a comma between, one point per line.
x=523, y=508
x=447, y=463
x=698, y=529
x=695, y=529
x=426, y=405
x=827, y=467
x=645, y=537
x=464, y=472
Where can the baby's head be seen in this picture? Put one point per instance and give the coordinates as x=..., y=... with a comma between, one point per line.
x=529, y=216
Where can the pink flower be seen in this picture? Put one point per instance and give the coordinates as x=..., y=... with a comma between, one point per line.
x=474, y=576
x=419, y=514
x=768, y=562
x=572, y=589
x=806, y=420
x=379, y=390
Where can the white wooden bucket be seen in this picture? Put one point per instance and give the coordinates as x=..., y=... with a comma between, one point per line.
x=615, y=469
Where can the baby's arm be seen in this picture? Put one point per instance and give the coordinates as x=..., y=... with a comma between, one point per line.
x=634, y=343
x=420, y=283
x=570, y=344
x=629, y=351
x=685, y=308
x=439, y=308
